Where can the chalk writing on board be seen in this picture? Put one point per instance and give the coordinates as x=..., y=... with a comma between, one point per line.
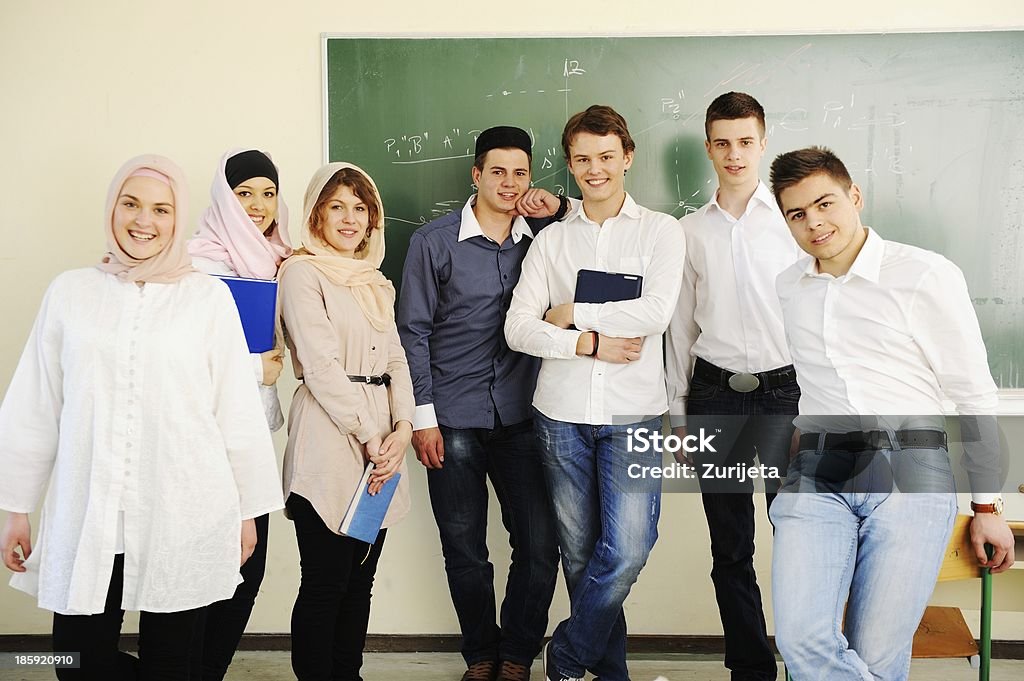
x=572, y=68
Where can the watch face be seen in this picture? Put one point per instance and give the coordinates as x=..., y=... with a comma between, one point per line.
x=999, y=505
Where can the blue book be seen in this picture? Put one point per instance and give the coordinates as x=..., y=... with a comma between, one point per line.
x=256, y=300
x=366, y=513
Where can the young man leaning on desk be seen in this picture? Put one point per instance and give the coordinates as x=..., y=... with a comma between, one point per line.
x=879, y=331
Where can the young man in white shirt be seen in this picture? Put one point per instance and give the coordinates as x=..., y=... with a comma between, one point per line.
x=601, y=378
x=879, y=332
x=729, y=370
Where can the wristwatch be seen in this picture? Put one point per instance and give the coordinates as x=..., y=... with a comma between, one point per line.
x=995, y=508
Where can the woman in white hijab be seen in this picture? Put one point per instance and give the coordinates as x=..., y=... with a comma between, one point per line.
x=355, y=405
x=242, y=233
x=134, y=411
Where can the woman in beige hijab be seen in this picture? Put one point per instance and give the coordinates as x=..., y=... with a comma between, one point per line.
x=355, y=405
x=134, y=411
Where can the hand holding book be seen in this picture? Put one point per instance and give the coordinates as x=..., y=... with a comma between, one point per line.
x=387, y=456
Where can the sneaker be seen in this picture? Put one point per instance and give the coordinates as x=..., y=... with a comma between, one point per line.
x=557, y=675
x=481, y=671
x=513, y=671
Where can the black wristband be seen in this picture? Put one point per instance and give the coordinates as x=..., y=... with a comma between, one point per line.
x=597, y=336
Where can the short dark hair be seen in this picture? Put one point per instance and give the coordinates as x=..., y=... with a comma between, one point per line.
x=597, y=120
x=731, y=106
x=795, y=166
x=478, y=161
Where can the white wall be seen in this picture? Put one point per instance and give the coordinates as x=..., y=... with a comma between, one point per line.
x=85, y=85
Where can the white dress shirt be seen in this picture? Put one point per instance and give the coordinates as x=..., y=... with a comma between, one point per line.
x=887, y=339
x=728, y=313
x=141, y=400
x=582, y=389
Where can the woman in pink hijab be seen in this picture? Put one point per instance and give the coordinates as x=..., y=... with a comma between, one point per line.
x=133, y=412
x=244, y=233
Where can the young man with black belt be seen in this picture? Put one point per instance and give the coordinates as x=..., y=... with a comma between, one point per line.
x=728, y=365
x=473, y=419
x=879, y=332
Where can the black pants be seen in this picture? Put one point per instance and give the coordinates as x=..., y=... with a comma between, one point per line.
x=332, y=609
x=221, y=624
x=163, y=641
x=746, y=424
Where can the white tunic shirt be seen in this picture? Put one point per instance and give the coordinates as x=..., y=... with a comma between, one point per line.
x=583, y=389
x=728, y=313
x=139, y=399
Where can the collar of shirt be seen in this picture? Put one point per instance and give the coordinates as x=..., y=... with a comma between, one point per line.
x=629, y=209
x=470, y=226
x=761, y=195
x=867, y=265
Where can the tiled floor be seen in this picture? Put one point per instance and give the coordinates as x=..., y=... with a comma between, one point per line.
x=274, y=666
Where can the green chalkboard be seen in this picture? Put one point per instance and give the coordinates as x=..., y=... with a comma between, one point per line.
x=930, y=125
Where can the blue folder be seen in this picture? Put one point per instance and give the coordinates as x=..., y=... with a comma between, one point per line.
x=256, y=300
x=606, y=287
x=366, y=513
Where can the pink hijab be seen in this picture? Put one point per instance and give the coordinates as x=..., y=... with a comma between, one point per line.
x=226, y=234
x=173, y=262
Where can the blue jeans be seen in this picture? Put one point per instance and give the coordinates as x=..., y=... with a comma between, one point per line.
x=510, y=457
x=861, y=544
x=757, y=423
x=607, y=524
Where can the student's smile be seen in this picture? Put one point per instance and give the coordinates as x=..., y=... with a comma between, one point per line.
x=258, y=197
x=824, y=218
x=504, y=178
x=347, y=220
x=143, y=217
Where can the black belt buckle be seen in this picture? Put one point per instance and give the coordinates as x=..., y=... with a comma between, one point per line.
x=383, y=379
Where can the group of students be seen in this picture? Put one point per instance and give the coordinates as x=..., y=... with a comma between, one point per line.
x=134, y=405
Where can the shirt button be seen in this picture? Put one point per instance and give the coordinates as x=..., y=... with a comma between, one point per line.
x=504, y=276
x=373, y=347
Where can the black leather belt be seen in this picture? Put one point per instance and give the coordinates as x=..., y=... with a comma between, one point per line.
x=743, y=382
x=383, y=379
x=862, y=441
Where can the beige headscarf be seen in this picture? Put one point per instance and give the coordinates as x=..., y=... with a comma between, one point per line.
x=173, y=262
x=373, y=292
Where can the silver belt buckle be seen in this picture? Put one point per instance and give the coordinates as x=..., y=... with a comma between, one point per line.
x=743, y=382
